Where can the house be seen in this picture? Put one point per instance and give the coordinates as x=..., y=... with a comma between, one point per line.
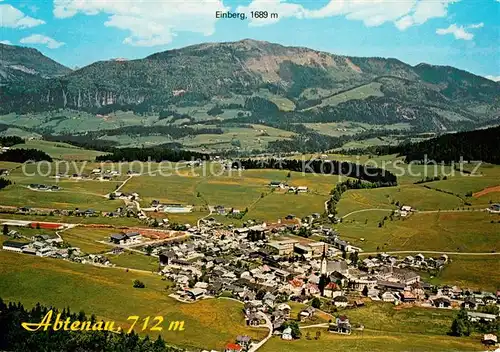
x=490, y=339
x=306, y=313
x=166, y=257
x=469, y=303
x=408, y=297
x=388, y=297
x=133, y=236
x=195, y=293
x=476, y=316
x=494, y=208
x=233, y=347
x=341, y=326
x=340, y=301
x=302, y=189
x=285, y=309
x=253, y=319
x=275, y=184
x=13, y=246
x=118, y=238
x=243, y=340
x=441, y=302
x=287, y=334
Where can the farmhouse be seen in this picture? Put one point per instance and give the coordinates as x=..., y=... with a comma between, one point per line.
x=195, y=293
x=13, y=246
x=490, y=339
x=494, y=208
x=341, y=326
x=302, y=189
x=476, y=316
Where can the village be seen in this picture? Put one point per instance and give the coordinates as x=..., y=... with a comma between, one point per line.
x=266, y=266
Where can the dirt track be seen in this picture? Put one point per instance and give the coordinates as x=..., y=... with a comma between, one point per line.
x=486, y=191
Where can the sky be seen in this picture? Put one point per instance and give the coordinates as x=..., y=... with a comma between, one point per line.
x=460, y=33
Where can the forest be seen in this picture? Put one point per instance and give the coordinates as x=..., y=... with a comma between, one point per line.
x=377, y=176
x=157, y=154
x=23, y=155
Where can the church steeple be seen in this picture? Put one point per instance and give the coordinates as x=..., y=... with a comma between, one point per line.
x=323, y=261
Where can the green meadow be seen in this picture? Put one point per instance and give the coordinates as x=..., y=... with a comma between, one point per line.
x=108, y=293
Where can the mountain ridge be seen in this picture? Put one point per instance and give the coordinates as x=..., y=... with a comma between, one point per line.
x=317, y=81
x=19, y=63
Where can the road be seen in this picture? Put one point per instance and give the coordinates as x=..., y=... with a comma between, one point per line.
x=204, y=217
x=416, y=211
x=363, y=210
x=268, y=325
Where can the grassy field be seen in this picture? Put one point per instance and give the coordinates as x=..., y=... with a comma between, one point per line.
x=445, y=231
x=118, y=222
x=475, y=272
x=108, y=293
x=248, y=189
x=134, y=261
x=59, y=150
x=387, y=328
x=18, y=196
x=86, y=238
x=373, y=341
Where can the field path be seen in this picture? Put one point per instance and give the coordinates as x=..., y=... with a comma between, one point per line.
x=486, y=191
x=363, y=210
x=198, y=223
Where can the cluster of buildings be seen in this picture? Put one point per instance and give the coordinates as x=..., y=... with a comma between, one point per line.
x=39, y=187
x=39, y=245
x=285, y=186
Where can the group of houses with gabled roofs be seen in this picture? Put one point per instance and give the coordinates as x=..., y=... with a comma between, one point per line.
x=290, y=189
x=39, y=187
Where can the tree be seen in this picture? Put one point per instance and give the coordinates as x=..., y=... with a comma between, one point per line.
x=138, y=284
x=295, y=328
x=318, y=335
x=5, y=230
x=354, y=257
x=323, y=282
x=148, y=249
x=365, y=291
x=461, y=324
x=316, y=303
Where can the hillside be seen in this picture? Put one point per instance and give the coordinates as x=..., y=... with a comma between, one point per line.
x=20, y=64
x=305, y=85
